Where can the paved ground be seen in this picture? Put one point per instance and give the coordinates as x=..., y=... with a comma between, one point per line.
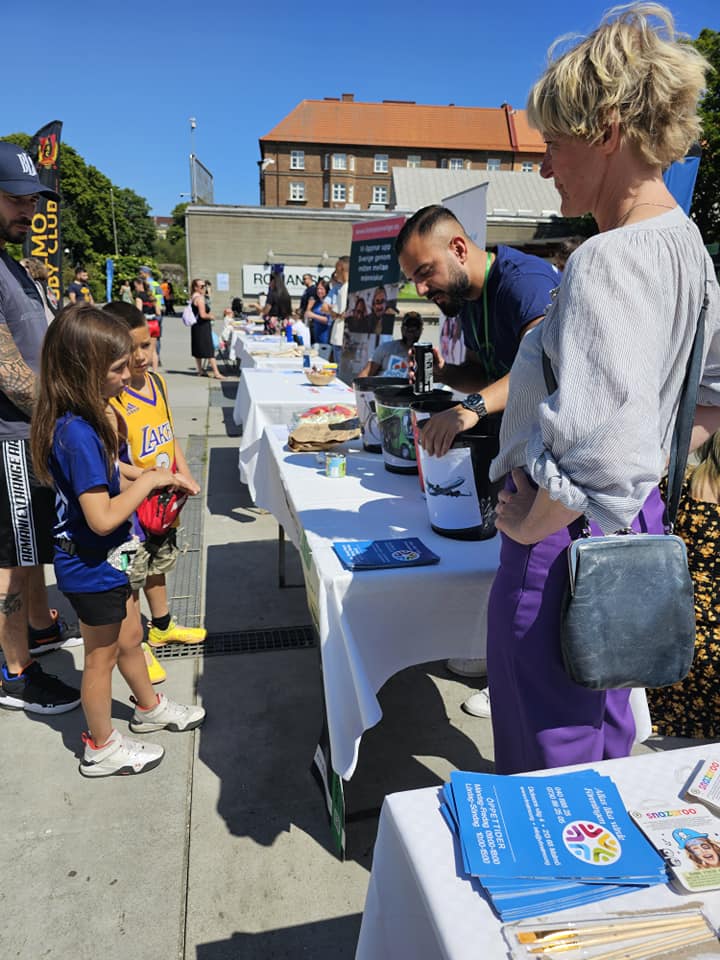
x=223, y=852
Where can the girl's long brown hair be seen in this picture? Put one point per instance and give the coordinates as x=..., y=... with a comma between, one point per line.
x=80, y=346
x=705, y=477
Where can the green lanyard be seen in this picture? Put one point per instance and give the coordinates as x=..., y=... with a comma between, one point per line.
x=487, y=346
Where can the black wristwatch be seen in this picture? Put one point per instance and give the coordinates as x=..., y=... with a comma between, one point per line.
x=475, y=402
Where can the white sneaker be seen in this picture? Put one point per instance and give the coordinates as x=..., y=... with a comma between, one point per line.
x=478, y=705
x=119, y=756
x=468, y=667
x=166, y=715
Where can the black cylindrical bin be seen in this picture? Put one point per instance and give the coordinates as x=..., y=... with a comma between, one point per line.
x=365, y=402
x=422, y=410
x=392, y=406
x=460, y=498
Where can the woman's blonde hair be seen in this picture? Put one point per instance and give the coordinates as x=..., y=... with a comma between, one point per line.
x=80, y=346
x=705, y=476
x=640, y=74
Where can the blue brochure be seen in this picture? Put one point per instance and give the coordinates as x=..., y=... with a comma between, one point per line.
x=383, y=554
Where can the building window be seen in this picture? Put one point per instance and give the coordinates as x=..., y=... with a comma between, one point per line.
x=297, y=191
x=380, y=195
x=456, y=163
x=339, y=161
x=339, y=192
x=414, y=160
x=493, y=163
x=297, y=159
x=381, y=163
x=326, y=192
x=526, y=166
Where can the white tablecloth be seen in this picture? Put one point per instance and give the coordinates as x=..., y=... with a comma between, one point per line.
x=266, y=397
x=374, y=623
x=420, y=905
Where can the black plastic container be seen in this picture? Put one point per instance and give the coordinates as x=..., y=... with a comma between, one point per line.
x=365, y=403
x=460, y=497
x=392, y=407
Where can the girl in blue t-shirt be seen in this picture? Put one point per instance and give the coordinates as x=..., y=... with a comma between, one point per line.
x=74, y=445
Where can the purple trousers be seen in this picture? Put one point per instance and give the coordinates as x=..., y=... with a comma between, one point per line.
x=541, y=718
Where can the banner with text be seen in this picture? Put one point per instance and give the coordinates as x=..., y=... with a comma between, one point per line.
x=373, y=293
x=43, y=240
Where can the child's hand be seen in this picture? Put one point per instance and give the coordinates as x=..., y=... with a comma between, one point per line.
x=162, y=477
x=188, y=478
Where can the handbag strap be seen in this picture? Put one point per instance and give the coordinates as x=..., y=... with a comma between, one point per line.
x=680, y=444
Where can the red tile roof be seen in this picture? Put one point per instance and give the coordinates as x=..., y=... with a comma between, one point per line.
x=403, y=124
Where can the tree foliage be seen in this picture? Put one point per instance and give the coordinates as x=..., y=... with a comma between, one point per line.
x=706, y=199
x=88, y=198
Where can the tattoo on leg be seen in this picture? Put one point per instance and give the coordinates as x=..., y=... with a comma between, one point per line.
x=10, y=603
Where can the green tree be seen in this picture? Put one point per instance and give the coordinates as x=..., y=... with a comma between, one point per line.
x=86, y=217
x=706, y=199
x=172, y=248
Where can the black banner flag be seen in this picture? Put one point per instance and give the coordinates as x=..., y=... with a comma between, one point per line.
x=43, y=240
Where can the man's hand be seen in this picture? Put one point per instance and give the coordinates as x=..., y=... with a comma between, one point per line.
x=438, y=364
x=440, y=430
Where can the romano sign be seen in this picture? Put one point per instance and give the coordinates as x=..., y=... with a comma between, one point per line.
x=256, y=277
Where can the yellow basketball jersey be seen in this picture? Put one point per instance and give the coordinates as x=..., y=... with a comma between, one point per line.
x=150, y=434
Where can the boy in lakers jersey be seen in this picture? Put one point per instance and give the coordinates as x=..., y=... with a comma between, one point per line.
x=144, y=408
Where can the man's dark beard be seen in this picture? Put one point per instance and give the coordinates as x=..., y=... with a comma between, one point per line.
x=452, y=299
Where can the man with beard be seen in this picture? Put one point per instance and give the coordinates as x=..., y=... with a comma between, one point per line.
x=27, y=514
x=499, y=297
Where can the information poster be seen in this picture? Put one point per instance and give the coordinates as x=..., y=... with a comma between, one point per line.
x=372, y=293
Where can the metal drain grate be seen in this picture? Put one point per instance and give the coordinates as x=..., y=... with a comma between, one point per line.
x=249, y=641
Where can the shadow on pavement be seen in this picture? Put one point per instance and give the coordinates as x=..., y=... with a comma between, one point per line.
x=320, y=940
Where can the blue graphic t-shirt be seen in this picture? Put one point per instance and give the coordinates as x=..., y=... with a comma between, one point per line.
x=77, y=464
x=518, y=291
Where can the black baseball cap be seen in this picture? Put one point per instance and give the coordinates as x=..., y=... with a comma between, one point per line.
x=18, y=175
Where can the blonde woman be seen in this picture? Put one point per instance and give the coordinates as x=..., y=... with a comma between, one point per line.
x=615, y=109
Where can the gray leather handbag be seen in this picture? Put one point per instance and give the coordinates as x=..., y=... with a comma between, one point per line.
x=628, y=617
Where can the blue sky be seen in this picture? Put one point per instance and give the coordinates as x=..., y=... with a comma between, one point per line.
x=125, y=78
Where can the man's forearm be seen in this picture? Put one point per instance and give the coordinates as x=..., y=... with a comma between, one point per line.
x=17, y=381
x=465, y=377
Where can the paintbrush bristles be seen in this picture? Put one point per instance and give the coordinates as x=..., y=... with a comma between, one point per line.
x=538, y=937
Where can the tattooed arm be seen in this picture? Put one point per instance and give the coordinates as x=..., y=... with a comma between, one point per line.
x=17, y=381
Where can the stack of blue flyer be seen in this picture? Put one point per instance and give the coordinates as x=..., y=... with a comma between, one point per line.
x=539, y=844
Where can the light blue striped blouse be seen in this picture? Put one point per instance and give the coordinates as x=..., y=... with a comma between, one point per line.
x=618, y=334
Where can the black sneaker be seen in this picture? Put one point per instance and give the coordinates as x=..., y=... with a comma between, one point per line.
x=36, y=691
x=54, y=637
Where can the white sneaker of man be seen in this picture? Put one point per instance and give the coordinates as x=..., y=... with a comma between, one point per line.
x=467, y=667
x=478, y=705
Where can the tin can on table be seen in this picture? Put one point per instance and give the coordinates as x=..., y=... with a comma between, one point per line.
x=335, y=465
x=423, y=352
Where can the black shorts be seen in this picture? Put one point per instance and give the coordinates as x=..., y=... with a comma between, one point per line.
x=101, y=609
x=27, y=510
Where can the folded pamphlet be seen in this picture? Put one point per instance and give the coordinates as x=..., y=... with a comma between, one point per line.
x=384, y=554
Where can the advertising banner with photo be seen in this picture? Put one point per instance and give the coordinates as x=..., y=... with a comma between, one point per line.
x=470, y=207
x=43, y=240
x=372, y=293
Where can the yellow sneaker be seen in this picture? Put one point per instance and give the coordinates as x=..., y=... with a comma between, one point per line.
x=156, y=673
x=175, y=634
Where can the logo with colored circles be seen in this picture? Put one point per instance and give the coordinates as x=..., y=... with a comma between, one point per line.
x=591, y=843
x=405, y=555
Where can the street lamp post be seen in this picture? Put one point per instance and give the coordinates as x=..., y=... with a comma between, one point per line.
x=193, y=125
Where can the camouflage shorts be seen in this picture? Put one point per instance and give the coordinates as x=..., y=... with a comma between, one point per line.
x=148, y=562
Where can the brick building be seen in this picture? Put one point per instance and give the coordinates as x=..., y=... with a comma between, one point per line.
x=339, y=153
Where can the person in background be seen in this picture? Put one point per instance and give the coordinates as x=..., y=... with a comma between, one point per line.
x=38, y=273
x=237, y=308
x=79, y=290
x=690, y=708
x=320, y=320
x=391, y=358
x=566, y=248
x=168, y=292
x=125, y=292
x=201, y=340
x=614, y=109
x=308, y=293
x=154, y=316
x=336, y=305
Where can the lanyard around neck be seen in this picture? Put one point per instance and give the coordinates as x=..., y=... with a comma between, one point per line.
x=487, y=347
